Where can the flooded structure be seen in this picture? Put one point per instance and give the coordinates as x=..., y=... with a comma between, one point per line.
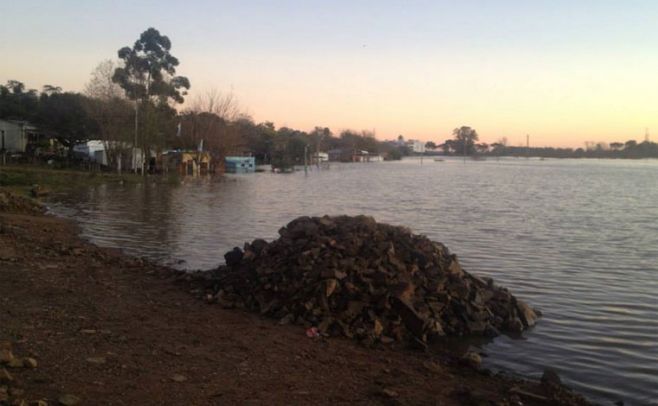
x=240, y=164
x=319, y=157
x=188, y=162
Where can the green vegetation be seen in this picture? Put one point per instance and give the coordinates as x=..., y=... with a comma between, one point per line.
x=629, y=150
x=463, y=142
x=21, y=179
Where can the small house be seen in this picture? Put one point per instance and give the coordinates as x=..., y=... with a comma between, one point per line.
x=21, y=137
x=339, y=155
x=240, y=164
x=92, y=150
x=361, y=156
x=319, y=157
x=187, y=162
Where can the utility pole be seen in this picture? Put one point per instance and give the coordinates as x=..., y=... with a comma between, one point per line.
x=135, y=140
x=646, y=134
x=305, y=159
x=527, y=146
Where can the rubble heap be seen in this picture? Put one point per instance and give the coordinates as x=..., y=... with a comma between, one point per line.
x=355, y=277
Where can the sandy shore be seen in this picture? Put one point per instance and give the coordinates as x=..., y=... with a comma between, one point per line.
x=111, y=329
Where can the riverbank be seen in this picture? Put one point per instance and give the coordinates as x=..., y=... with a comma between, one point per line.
x=111, y=329
x=23, y=178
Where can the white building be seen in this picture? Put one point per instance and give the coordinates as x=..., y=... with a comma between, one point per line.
x=16, y=135
x=93, y=150
x=320, y=157
x=417, y=147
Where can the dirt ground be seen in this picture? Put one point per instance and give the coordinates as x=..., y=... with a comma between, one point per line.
x=113, y=330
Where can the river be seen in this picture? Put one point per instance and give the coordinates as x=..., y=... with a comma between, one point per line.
x=577, y=239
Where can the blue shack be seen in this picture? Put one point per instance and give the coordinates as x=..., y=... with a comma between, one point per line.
x=240, y=164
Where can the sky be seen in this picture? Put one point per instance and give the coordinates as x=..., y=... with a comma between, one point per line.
x=564, y=72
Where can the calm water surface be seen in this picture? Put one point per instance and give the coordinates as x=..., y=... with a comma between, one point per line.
x=576, y=238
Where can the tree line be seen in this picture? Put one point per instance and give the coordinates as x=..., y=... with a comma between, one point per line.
x=465, y=142
x=134, y=104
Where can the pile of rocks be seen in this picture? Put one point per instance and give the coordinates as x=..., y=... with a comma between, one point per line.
x=355, y=277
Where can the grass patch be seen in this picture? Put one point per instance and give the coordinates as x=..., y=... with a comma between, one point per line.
x=21, y=178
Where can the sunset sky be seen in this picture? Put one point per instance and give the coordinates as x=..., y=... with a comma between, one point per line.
x=564, y=72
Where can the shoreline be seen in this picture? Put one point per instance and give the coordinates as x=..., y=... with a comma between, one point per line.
x=109, y=328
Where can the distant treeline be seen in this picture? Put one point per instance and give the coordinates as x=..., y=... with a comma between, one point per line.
x=465, y=142
x=131, y=105
x=630, y=149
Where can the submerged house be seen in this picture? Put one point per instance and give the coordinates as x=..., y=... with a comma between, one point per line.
x=188, y=162
x=339, y=155
x=319, y=157
x=240, y=164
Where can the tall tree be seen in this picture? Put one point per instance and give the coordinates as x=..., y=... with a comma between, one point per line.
x=65, y=114
x=112, y=113
x=148, y=76
x=464, y=140
x=211, y=117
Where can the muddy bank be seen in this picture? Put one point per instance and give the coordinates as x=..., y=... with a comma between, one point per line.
x=109, y=329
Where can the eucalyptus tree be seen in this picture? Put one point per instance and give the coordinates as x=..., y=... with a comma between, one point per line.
x=148, y=76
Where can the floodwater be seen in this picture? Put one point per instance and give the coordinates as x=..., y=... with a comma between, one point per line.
x=577, y=239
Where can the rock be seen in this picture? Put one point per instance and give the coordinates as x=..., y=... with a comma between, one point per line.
x=472, y=359
x=526, y=314
x=97, y=360
x=16, y=392
x=6, y=356
x=330, y=286
x=386, y=340
x=355, y=277
x=15, y=363
x=550, y=377
x=178, y=378
x=432, y=366
x=378, y=328
x=30, y=363
x=68, y=400
x=5, y=376
x=390, y=393
x=39, y=191
x=233, y=257
x=412, y=320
